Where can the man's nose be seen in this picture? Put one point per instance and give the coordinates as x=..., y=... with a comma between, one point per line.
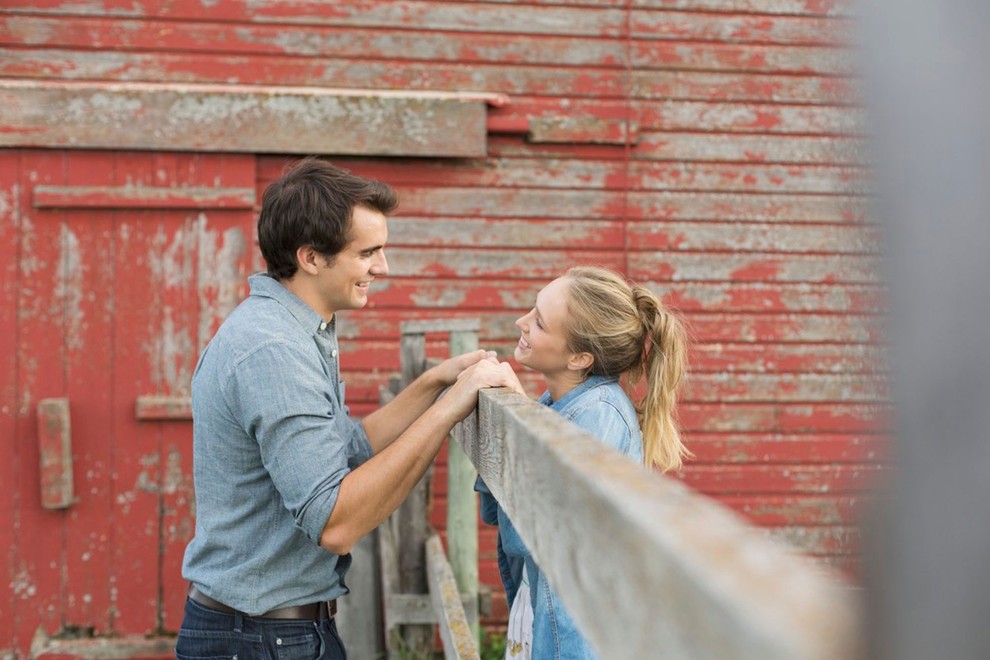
x=380, y=267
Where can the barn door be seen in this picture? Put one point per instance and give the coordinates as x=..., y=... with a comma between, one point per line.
x=117, y=269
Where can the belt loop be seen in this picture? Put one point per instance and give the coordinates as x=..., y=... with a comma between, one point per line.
x=238, y=621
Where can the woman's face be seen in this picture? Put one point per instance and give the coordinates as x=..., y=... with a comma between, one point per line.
x=543, y=344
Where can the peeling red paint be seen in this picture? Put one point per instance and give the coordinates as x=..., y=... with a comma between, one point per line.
x=715, y=156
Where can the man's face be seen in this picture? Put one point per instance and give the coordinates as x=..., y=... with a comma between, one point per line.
x=345, y=279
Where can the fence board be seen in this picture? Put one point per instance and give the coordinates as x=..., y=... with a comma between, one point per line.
x=459, y=640
x=705, y=585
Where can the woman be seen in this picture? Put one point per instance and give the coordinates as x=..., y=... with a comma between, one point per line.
x=588, y=329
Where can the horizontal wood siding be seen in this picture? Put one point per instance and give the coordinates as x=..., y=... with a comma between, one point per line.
x=710, y=149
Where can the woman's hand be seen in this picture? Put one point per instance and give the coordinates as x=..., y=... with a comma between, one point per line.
x=462, y=397
x=446, y=372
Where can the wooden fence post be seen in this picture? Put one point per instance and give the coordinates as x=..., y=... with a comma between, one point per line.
x=412, y=518
x=462, y=505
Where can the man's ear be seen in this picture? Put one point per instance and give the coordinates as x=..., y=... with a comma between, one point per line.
x=580, y=361
x=306, y=259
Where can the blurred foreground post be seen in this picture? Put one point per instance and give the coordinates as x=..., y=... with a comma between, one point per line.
x=929, y=559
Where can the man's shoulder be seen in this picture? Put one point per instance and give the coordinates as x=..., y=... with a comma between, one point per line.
x=257, y=324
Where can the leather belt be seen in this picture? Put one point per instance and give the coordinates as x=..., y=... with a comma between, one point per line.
x=326, y=609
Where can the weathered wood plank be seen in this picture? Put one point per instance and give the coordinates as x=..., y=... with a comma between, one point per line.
x=825, y=68
x=462, y=512
x=800, y=7
x=40, y=318
x=314, y=41
x=544, y=171
x=419, y=328
x=783, y=417
x=142, y=197
x=710, y=297
x=541, y=19
x=772, y=7
x=655, y=175
x=744, y=87
x=783, y=479
x=139, y=463
x=754, y=58
x=708, y=327
x=738, y=28
x=748, y=117
x=407, y=230
x=411, y=518
x=790, y=509
x=235, y=118
x=447, y=16
x=371, y=355
x=746, y=148
x=790, y=449
x=854, y=299
x=459, y=640
x=658, y=205
x=754, y=237
x=463, y=262
x=55, y=450
x=156, y=407
x=11, y=417
x=755, y=267
x=792, y=85
x=728, y=596
x=87, y=265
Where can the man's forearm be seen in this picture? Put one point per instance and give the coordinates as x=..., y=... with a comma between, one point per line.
x=369, y=494
x=388, y=422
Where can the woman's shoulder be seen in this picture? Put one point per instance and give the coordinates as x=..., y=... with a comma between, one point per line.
x=606, y=412
x=599, y=391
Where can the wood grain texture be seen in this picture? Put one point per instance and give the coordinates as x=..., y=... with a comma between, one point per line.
x=713, y=150
x=727, y=591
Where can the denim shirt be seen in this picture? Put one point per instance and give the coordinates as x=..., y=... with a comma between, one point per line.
x=272, y=440
x=600, y=406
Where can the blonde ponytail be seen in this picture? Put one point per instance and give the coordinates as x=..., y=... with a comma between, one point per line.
x=664, y=366
x=628, y=331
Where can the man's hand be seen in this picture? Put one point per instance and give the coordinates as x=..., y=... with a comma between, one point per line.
x=462, y=397
x=447, y=371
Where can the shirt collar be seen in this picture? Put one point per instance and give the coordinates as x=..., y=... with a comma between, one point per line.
x=562, y=402
x=265, y=286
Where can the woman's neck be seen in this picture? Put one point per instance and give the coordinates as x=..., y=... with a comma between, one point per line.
x=561, y=383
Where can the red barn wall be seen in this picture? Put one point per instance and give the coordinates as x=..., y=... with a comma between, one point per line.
x=710, y=149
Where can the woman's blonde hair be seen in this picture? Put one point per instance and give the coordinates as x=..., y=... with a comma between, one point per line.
x=627, y=330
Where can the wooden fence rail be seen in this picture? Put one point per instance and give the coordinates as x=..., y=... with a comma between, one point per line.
x=646, y=566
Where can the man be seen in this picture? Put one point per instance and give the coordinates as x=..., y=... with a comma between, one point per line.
x=286, y=483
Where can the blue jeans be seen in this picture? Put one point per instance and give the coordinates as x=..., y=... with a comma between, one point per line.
x=210, y=635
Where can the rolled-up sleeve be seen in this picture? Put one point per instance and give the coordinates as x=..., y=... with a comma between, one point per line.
x=307, y=442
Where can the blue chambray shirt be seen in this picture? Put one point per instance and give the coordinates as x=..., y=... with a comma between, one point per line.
x=272, y=440
x=600, y=406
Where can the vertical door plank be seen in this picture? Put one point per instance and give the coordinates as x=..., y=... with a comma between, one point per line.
x=86, y=278
x=9, y=286
x=138, y=264
x=218, y=243
x=177, y=341
x=39, y=562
